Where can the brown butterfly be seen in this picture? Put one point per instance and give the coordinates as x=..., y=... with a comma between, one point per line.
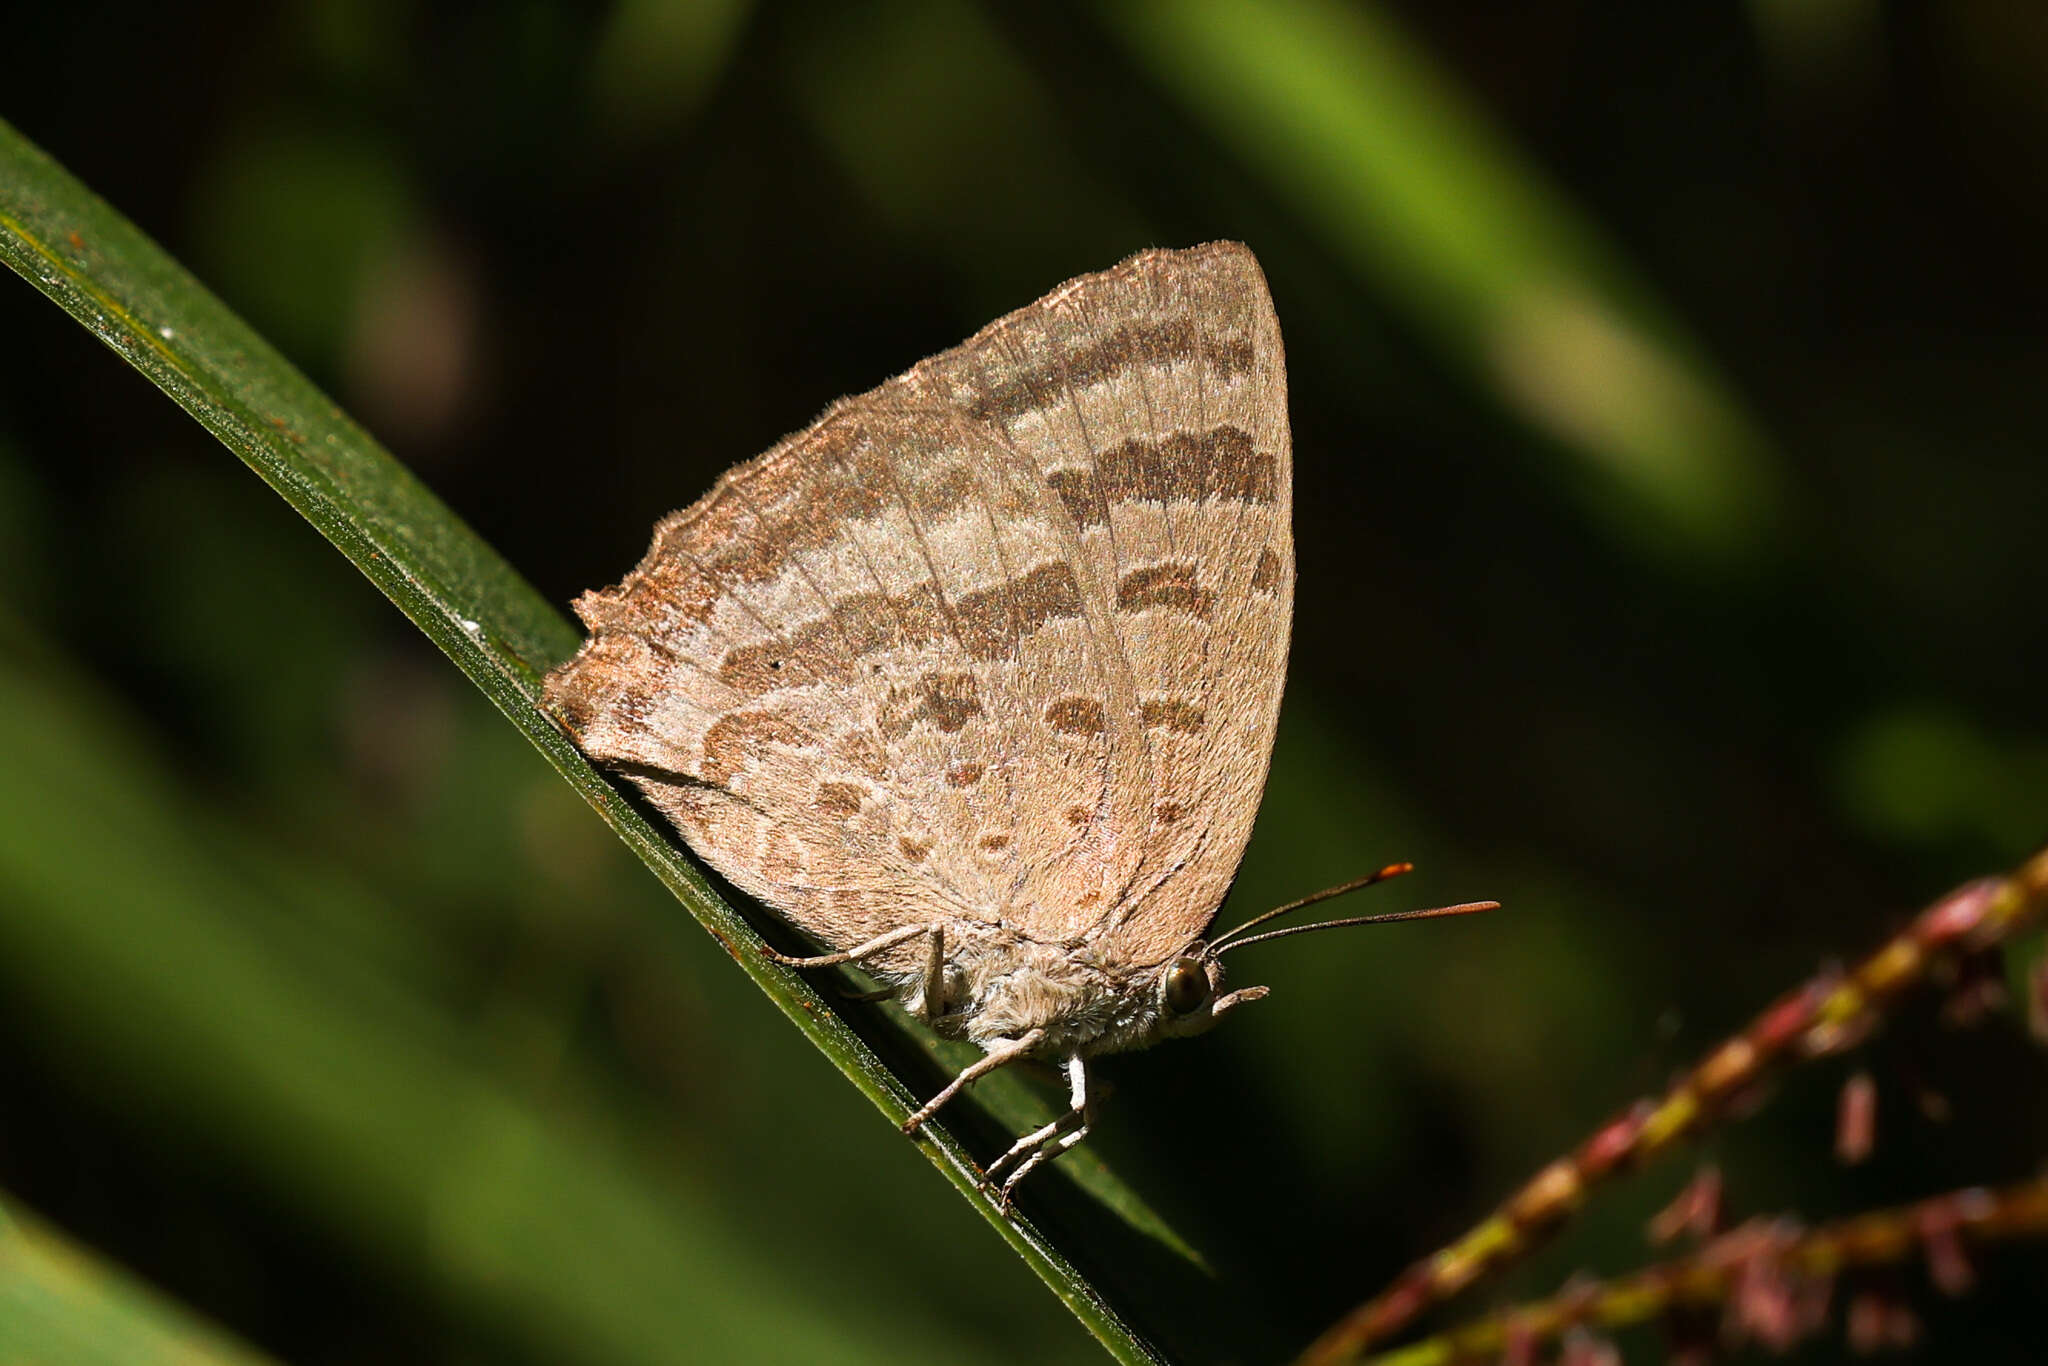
x=974, y=679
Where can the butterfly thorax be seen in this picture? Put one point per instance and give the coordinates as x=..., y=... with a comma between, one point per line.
x=999, y=984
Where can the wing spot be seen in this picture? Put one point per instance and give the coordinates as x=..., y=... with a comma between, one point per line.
x=862, y=752
x=1175, y=714
x=1080, y=815
x=994, y=841
x=1219, y=464
x=1167, y=813
x=735, y=740
x=964, y=775
x=947, y=701
x=946, y=490
x=1267, y=576
x=796, y=513
x=950, y=700
x=1024, y=604
x=839, y=799
x=914, y=847
x=828, y=650
x=807, y=651
x=1153, y=342
x=1077, y=491
x=1076, y=716
x=1172, y=586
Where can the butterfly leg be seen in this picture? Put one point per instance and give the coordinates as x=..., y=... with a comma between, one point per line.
x=931, y=1003
x=1027, y=1148
x=927, y=1006
x=1047, y=1141
x=1000, y=1051
x=1077, y=1082
x=874, y=946
x=1050, y=1150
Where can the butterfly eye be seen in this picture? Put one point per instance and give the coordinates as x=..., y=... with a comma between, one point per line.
x=1187, y=986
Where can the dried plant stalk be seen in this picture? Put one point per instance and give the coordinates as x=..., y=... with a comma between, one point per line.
x=1773, y=1279
x=1826, y=1015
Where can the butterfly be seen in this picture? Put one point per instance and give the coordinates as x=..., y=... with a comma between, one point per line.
x=974, y=679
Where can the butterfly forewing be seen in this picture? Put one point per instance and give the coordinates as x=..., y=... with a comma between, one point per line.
x=1152, y=398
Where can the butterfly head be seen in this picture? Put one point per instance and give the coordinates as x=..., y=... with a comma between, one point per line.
x=1180, y=997
x=1190, y=996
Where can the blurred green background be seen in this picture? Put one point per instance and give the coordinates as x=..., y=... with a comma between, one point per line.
x=1670, y=387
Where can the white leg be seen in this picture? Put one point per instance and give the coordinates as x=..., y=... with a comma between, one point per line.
x=1049, y=1151
x=867, y=950
x=1049, y=1140
x=1030, y=1144
x=1000, y=1052
x=1077, y=1085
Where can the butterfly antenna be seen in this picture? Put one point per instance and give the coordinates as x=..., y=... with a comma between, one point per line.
x=1394, y=917
x=1392, y=870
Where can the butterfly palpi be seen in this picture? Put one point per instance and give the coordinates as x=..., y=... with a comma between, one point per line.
x=974, y=679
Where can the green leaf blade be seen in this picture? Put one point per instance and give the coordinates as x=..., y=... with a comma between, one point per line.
x=61, y=1305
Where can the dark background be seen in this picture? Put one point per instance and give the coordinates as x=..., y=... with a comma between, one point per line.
x=1668, y=394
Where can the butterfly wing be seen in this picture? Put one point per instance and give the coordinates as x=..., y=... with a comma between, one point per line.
x=1001, y=640
x=822, y=672
x=1152, y=398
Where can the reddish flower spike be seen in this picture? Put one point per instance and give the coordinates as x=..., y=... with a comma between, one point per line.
x=1856, y=1119
x=1695, y=1210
